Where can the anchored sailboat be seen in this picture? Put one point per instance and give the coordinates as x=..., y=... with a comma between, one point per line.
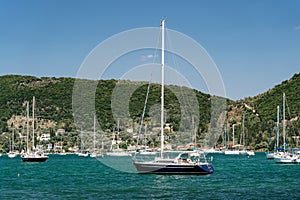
x=32, y=154
x=83, y=152
x=115, y=150
x=11, y=153
x=286, y=157
x=232, y=150
x=95, y=153
x=272, y=155
x=189, y=162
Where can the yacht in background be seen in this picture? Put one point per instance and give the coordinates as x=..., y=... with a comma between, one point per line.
x=32, y=154
x=11, y=153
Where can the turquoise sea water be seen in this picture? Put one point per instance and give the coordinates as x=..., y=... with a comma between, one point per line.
x=73, y=177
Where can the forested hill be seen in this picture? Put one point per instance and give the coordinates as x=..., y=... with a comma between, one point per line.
x=54, y=101
x=54, y=106
x=266, y=103
x=261, y=113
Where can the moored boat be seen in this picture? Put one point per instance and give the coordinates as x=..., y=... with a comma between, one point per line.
x=288, y=158
x=32, y=155
x=11, y=154
x=83, y=154
x=250, y=153
x=192, y=162
x=118, y=153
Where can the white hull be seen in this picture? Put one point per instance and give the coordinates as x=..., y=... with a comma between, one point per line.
x=274, y=155
x=239, y=152
x=228, y=152
x=243, y=152
x=270, y=155
x=95, y=155
x=148, y=153
x=250, y=153
x=288, y=159
x=118, y=154
x=83, y=154
x=11, y=155
x=212, y=151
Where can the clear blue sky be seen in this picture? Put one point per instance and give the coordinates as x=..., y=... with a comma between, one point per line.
x=255, y=44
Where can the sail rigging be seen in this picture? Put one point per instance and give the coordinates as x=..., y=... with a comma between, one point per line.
x=188, y=162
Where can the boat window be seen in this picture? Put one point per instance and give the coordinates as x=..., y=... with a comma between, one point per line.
x=184, y=156
x=194, y=158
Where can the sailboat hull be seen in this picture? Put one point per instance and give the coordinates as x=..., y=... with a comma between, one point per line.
x=158, y=168
x=11, y=155
x=34, y=158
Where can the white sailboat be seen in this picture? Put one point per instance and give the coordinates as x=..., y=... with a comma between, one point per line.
x=245, y=151
x=62, y=151
x=189, y=162
x=82, y=152
x=238, y=149
x=32, y=154
x=11, y=153
x=94, y=154
x=286, y=157
x=232, y=151
x=116, y=151
x=275, y=153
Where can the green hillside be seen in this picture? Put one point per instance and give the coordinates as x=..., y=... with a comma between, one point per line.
x=54, y=109
x=54, y=104
x=266, y=103
x=265, y=107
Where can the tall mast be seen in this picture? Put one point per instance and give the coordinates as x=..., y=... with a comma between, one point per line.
x=233, y=135
x=226, y=135
x=225, y=138
x=33, y=104
x=283, y=122
x=118, y=133
x=27, y=126
x=195, y=132
x=162, y=87
x=243, y=130
x=12, y=139
x=277, y=131
x=94, y=133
